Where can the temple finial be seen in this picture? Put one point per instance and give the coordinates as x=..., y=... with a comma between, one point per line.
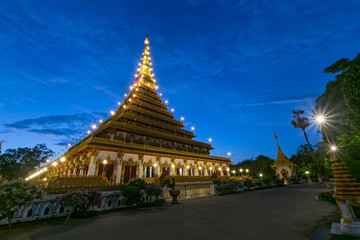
x=144, y=75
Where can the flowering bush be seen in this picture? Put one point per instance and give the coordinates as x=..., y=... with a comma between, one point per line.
x=14, y=194
x=153, y=189
x=81, y=201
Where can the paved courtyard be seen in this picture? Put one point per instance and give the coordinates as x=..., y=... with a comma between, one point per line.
x=280, y=213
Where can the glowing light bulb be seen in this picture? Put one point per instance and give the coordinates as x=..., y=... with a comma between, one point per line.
x=166, y=101
x=155, y=164
x=229, y=153
x=124, y=106
x=125, y=95
x=54, y=164
x=45, y=169
x=160, y=94
x=199, y=168
x=62, y=159
x=119, y=103
x=320, y=119
x=333, y=148
x=112, y=113
x=187, y=167
x=89, y=131
x=94, y=126
x=69, y=144
x=104, y=162
x=172, y=165
x=192, y=128
x=172, y=110
x=100, y=121
x=210, y=139
x=182, y=118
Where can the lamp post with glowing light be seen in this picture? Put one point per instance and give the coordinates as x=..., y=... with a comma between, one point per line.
x=308, y=176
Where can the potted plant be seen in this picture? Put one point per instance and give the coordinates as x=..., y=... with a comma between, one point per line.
x=174, y=193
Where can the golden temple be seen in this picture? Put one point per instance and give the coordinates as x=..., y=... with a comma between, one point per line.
x=141, y=139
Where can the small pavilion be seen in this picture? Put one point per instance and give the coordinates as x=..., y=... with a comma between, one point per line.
x=283, y=167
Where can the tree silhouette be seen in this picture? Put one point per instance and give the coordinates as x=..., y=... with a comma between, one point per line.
x=302, y=122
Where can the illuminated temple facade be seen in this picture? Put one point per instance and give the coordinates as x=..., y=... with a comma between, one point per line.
x=141, y=139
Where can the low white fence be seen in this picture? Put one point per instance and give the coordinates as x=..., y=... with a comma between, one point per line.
x=49, y=207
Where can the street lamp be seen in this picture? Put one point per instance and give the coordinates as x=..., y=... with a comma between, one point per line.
x=247, y=170
x=308, y=176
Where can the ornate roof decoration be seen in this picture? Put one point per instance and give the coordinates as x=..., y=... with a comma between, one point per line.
x=281, y=159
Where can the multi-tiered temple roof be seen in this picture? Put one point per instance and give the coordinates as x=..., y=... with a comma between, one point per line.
x=141, y=128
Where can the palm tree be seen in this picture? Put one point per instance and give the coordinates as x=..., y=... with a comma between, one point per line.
x=302, y=122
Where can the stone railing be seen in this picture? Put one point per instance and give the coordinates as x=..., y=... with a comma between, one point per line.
x=49, y=207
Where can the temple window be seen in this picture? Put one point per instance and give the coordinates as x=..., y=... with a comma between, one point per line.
x=179, y=171
x=149, y=172
x=201, y=172
x=166, y=169
x=210, y=172
x=191, y=172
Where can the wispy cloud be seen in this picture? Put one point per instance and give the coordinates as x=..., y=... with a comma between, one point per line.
x=286, y=101
x=58, y=125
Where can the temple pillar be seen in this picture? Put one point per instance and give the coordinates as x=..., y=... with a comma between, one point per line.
x=92, y=166
x=196, y=172
x=118, y=170
x=141, y=170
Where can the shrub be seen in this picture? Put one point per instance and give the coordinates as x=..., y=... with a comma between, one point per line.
x=170, y=185
x=153, y=189
x=81, y=201
x=294, y=179
x=248, y=182
x=217, y=182
x=327, y=196
x=139, y=183
x=266, y=180
x=279, y=182
x=132, y=195
x=14, y=194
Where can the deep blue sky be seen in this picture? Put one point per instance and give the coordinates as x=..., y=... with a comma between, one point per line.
x=234, y=69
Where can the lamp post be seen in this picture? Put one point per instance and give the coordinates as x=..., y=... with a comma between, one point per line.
x=308, y=176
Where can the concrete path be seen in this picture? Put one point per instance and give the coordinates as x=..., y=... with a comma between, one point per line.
x=281, y=213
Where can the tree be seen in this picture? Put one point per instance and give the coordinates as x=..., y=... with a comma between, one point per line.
x=15, y=194
x=302, y=122
x=304, y=161
x=341, y=102
x=17, y=163
x=260, y=164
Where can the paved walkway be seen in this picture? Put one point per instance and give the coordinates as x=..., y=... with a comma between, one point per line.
x=281, y=213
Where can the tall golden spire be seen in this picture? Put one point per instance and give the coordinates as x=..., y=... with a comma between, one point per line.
x=144, y=75
x=281, y=159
